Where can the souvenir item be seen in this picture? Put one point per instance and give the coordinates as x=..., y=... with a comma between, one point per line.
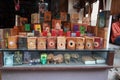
x=35, y=58
x=27, y=27
x=80, y=43
x=14, y=31
x=30, y=34
x=37, y=27
x=8, y=59
x=50, y=58
x=75, y=27
x=75, y=57
x=74, y=17
x=60, y=32
x=63, y=16
x=71, y=43
x=35, y=18
x=47, y=16
x=44, y=33
x=41, y=43
x=23, y=21
x=82, y=30
x=12, y=42
x=99, y=60
x=43, y=58
x=61, y=43
x=98, y=42
x=77, y=33
x=86, y=21
x=88, y=60
x=68, y=34
x=58, y=59
x=67, y=27
x=24, y=34
x=22, y=42
x=51, y=42
x=36, y=34
x=54, y=32
x=73, y=34
x=89, y=44
x=27, y=57
x=17, y=58
x=67, y=58
x=56, y=24
x=31, y=42
x=46, y=26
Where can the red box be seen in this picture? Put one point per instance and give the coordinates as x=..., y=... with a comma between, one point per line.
x=51, y=42
x=71, y=43
x=98, y=42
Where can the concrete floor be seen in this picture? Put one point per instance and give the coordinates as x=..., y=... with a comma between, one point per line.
x=112, y=72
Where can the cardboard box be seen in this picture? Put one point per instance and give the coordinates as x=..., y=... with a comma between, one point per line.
x=12, y=42
x=89, y=44
x=80, y=43
x=71, y=43
x=31, y=42
x=61, y=43
x=51, y=43
x=41, y=43
x=47, y=16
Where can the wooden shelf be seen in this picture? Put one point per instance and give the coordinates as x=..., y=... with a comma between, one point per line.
x=56, y=67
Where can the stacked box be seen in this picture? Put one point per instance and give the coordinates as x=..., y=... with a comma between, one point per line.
x=12, y=42
x=74, y=17
x=35, y=18
x=98, y=42
x=80, y=42
x=31, y=42
x=51, y=42
x=47, y=16
x=37, y=27
x=22, y=42
x=41, y=43
x=89, y=44
x=71, y=43
x=14, y=31
x=56, y=24
x=46, y=26
x=63, y=16
x=61, y=43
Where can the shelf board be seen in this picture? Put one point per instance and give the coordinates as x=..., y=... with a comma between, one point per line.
x=55, y=67
x=109, y=50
